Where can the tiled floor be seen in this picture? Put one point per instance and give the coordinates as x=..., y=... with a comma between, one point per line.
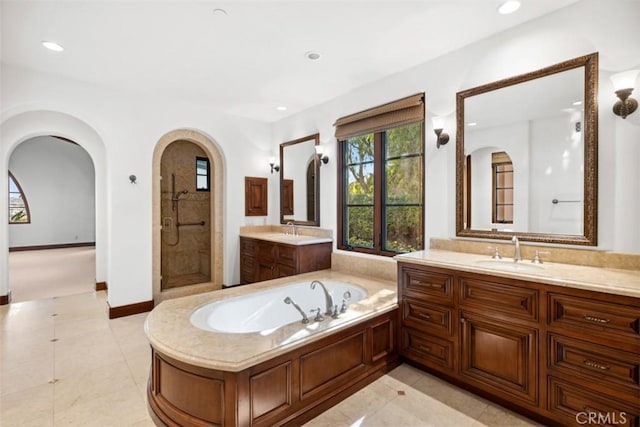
x=63, y=363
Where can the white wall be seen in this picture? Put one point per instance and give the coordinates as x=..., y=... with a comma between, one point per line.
x=577, y=30
x=57, y=179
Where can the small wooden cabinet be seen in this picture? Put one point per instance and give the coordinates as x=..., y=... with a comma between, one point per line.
x=566, y=356
x=264, y=260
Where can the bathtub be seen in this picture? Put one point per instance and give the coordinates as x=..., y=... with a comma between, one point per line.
x=266, y=310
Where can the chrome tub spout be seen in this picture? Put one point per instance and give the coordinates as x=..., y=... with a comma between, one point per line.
x=305, y=319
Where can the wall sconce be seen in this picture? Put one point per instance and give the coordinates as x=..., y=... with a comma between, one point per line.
x=438, y=125
x=321, y=156
x=623, y=84
x=274, y=166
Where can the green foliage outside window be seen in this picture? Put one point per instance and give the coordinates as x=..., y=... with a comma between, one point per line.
x=401, y=192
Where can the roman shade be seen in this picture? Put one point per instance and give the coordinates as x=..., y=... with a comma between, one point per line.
x=397, y=113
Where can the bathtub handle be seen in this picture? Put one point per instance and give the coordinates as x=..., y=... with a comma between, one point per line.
x=336, y=312
x=319, y=317
x=305, y=319
x=346, y=296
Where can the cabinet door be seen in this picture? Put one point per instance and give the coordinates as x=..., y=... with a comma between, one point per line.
x=266, y=271
x=500, y=357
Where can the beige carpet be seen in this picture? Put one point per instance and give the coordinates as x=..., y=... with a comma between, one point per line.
x=51, y=273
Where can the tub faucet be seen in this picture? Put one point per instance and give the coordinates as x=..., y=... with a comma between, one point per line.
x=305, y=319
x=327, y=297
x=516, y=255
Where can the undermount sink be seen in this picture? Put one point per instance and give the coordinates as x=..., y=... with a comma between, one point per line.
x=509, y=265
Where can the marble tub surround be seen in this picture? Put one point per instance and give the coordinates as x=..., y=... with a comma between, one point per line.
x=382, y=267
x=170, y=331
x=565, y=255
x=608, y=280
x=277, y=233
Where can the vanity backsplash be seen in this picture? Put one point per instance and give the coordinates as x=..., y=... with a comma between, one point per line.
x=555, y=254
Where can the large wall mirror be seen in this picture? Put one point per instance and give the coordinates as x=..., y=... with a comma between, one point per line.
x=527, y=156
x=299, y=181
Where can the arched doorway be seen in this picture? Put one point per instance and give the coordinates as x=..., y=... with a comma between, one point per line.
x=187, y=207
x=22, y=126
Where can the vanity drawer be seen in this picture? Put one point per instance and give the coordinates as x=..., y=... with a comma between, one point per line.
x=430, y=318
x=577, y=405
x=493, y=297
x=247, y=246
x=598, y=364
x=287, y=255
x=426, y=284
x=586, y=316
x=428, y=350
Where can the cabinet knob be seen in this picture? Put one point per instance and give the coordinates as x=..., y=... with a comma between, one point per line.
x=462, y=320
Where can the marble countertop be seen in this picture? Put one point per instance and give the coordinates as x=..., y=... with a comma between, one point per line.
x=609, y=280
x=170, y=331
x=279, y=237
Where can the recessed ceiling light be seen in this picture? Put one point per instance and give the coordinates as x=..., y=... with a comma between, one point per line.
x=577, y=103
x=219, y=12
x=508, y=7
x=52, y=46
x=472, y=124
x=281, y=108
x=312, y=55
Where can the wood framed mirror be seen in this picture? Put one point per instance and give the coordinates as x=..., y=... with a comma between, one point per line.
x=299, y=181
x=527, y=156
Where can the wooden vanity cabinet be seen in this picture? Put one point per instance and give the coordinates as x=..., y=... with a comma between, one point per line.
x=554, y=353
x=264, y=260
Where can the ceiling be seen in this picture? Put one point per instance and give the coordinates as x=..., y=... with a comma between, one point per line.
x=251, y=59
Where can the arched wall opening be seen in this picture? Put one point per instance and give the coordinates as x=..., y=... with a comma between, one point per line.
x=216, y=233
x=30, y=124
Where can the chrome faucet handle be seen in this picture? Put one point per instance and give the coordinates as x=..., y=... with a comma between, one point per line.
x=347, y=295
x=336, y=312
x=496, y=252
x=536, y=258
x=319, y=317
x=343, y=308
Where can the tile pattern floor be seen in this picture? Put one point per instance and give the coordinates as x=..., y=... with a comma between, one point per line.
x=63, y=363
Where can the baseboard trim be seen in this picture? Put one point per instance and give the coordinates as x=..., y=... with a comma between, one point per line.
x=57, y=246
x=128, y=310
x=5, y=299
x=101, y=286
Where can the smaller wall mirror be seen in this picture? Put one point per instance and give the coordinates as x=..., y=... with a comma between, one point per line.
x=299, y=181
x=526, y=154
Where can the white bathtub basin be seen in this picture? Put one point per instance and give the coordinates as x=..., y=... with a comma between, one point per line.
x=266, y=310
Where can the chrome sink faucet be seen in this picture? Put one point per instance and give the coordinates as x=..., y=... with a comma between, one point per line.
x=517, y=256
x=327, y=297
x=292, y=228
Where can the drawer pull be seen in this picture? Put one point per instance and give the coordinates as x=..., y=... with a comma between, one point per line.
x=424, y=316
x=425, y=348
x=595, y=319
x=592, y=364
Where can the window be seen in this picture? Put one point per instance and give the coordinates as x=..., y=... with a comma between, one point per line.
x=202, y=174
x=382, y=180
x=502, y=188
x=18, y=207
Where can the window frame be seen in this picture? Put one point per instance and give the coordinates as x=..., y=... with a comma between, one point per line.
x=495, y=182
x=208, y=175
x=379, y=182
x=22, y=196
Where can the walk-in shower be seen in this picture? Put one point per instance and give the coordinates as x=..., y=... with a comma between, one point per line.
x=185, y=213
